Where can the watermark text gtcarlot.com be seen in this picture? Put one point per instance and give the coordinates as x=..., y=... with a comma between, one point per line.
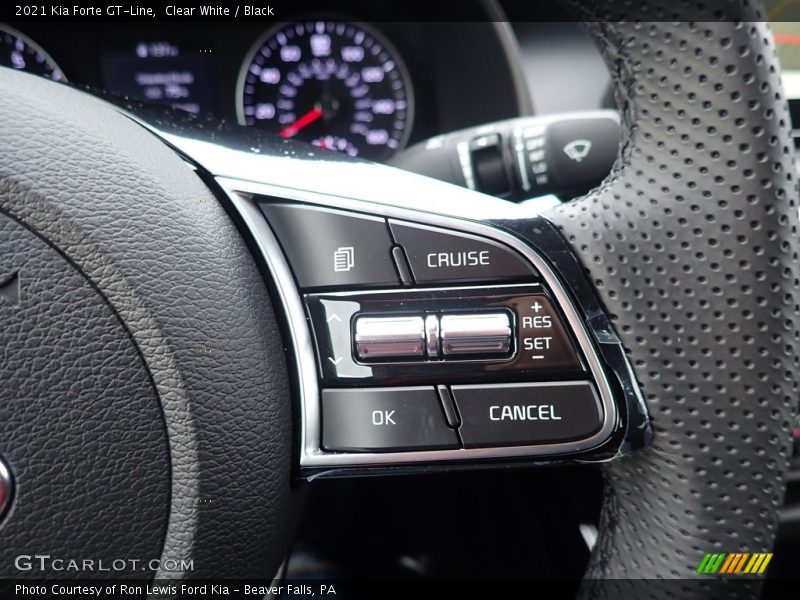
x=48, y=563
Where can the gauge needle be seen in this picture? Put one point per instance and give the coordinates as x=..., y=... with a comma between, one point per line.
x=308, y=118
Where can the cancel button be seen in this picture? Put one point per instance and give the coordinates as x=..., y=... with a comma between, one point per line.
x=521, y=414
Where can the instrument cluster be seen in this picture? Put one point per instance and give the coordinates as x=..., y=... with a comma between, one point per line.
x=363, y=89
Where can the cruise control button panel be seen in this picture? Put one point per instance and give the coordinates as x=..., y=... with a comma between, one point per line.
x=454, y=335
x=418, y=337
x=422, y=343
x=527, y=413
x=384, y=420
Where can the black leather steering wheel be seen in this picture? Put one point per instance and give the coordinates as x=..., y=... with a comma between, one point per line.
x=692, y=245
x=145, y=407
x=145, y=401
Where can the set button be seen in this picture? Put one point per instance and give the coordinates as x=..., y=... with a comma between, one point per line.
x=419, y=336
x=541, y=338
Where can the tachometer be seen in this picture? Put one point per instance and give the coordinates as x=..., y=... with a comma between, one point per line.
x=335, y=84
x=20, y=52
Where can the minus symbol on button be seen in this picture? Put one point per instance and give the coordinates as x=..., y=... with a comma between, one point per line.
x=537, y=357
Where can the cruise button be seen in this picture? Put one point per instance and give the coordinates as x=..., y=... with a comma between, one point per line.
x=330, y=248
x=384, y=420
x=527, y=413
x=438, y=255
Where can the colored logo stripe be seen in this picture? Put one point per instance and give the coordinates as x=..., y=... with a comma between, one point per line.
x=731, y=563
x=734, y=562
x=711, y=563
x=758, y=564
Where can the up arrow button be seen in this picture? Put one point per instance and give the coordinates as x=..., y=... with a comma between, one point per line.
x=444, y=256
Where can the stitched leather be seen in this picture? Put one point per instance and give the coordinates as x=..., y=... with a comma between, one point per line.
x=692, y=244
x=147, y=234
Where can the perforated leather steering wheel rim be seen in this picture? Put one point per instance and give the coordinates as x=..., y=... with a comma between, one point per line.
x=692, y=245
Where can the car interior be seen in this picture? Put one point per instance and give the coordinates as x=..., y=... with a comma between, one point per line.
x=349, y=293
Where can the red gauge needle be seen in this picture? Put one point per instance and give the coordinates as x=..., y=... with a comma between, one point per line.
x=304, y=121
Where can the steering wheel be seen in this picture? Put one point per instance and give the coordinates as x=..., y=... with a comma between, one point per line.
x=145, y=407
x=692, y=244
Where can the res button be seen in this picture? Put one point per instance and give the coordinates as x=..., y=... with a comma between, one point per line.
x=440, y=256
x=542, y=340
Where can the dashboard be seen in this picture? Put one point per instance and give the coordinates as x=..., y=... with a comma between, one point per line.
x=329, y=78
x=337, y=78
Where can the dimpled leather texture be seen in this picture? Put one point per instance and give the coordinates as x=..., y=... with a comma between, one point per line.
x=140, y=226
x=80, y=424
x=692, y=245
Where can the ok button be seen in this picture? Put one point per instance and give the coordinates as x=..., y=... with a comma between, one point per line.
x=383, y=417
x=384, y=420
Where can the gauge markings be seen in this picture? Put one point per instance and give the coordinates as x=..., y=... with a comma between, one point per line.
x=330, y=83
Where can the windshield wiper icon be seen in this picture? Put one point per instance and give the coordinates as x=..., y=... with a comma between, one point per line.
x=577, y=150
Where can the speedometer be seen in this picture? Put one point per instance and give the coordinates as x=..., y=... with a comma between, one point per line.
x=334, y=84
x=20, y=52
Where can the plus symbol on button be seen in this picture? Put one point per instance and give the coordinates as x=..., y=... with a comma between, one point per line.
x=536, y=307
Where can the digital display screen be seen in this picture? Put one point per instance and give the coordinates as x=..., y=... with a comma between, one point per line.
x=179, y=75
